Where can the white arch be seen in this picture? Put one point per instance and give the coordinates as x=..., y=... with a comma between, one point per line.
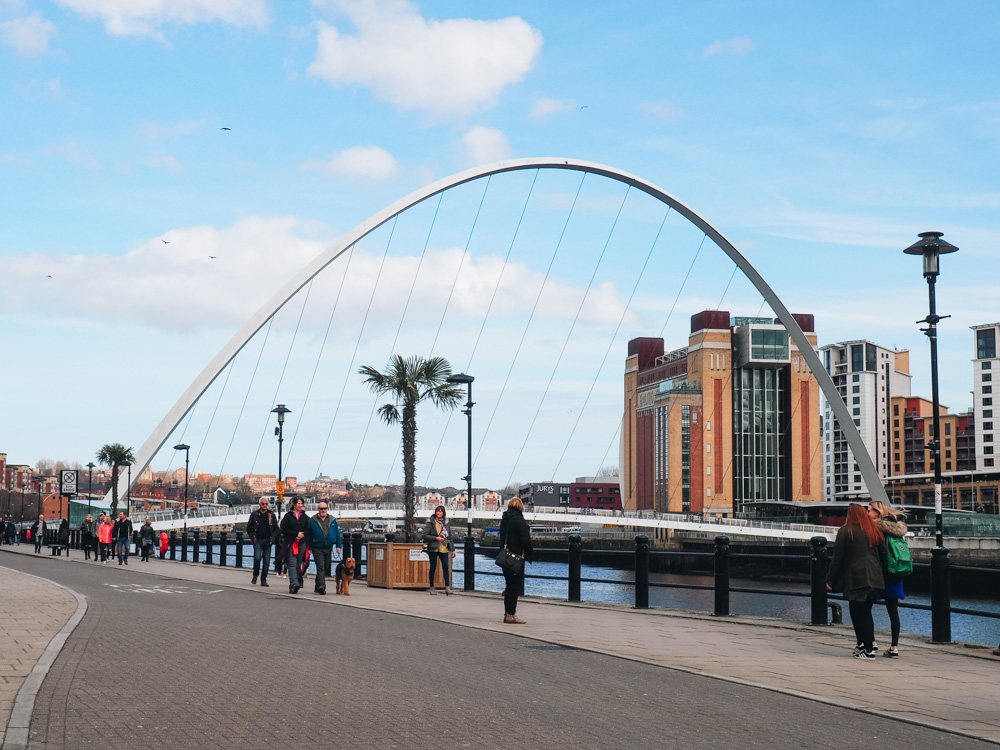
x=255, y=323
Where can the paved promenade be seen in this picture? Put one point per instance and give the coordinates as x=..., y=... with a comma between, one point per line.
x=955, y=687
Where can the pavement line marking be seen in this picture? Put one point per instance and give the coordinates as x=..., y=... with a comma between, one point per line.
x=16, y=737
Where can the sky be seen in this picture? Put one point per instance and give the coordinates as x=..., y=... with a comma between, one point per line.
x=167, y=165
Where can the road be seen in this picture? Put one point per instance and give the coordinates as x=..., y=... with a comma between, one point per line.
x=172, y=663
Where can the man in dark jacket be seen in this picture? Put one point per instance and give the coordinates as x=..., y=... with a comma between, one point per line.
x=262, y=528
x=324, y=536
x=121, y=537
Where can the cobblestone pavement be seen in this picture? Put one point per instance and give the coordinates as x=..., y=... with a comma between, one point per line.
x=32, y=612
x=193, y=656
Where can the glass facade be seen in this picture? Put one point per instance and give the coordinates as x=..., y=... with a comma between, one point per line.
x=986, y=344
x=660, y=456
x=685, y=459
x=759, y=427
x=766, y=344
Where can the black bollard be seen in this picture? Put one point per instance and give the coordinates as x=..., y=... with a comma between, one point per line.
x=184, y=546
x=575, y=553
x=818, y=565
x=642, y=572
x=357, y=553
x=239, y=549
x=223, y=549
x=196, y=547
x=469, y=564
x=173, y=544
x=722, y=576
x=209, y=540
x=940, y=596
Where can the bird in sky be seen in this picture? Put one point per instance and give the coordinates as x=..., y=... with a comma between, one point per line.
x=225, y=128
x=165, y=242
x=213, y=257
x=49, y=276
x=584, y=107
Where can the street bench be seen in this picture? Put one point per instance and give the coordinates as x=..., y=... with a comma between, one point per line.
x=57, y=549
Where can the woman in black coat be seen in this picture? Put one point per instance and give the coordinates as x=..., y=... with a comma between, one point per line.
x=515, y=534
x=856, y=569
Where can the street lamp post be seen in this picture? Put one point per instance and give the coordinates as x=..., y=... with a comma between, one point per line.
x=281, y=410
x=470, y=544
x=90, y=485
x=187, y=452
x=931, y=247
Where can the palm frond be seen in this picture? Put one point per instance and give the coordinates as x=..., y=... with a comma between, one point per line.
x=389, y=413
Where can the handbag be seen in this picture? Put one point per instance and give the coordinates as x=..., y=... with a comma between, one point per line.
x=509, y=562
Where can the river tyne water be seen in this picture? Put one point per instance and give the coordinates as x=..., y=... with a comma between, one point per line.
x=619, y=589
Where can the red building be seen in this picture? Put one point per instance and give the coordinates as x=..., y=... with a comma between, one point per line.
x=595, y=492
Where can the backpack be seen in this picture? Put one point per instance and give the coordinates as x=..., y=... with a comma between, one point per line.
x=900, y=562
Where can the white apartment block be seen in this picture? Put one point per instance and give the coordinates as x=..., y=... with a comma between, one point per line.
x=867, y=376
x=985, y=366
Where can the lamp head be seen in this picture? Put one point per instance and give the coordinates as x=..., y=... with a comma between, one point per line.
x=281, y=411
x=460, y=378
x=931, y=246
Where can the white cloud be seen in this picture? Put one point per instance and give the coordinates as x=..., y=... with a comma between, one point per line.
x=451, y=67
x=144, y=17
x=29, y=35
x=74, y=154
x=358, y=164
x=480, y=145
x=738, y=46
x=167, y=162
x=546, y=108
x=661, y=110
x=151, y=131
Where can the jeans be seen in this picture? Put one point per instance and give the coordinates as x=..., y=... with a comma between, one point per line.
x=512, y=590
x=261, y=554
x=121, y=548
x=105, y=551
x=445, y=572
x=38, y=542
x=322, y=557
x=864, y=625
x=294, y=563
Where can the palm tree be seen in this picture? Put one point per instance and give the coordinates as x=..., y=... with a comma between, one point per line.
x=410, y=381
x=115, y=455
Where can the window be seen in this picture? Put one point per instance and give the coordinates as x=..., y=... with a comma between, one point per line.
x=857, y=358
x=987, y=425
x=766, y=344
x=987, y=365
x=895, y=446
x=855, y=389
x=895, y=411
x=895, y=423
x=895, y=433
x=871, y=358
x=947, y=428
x=986, y=344
x=987, y=438
x=987, y=402
x=987, y=389
x=856, y=378
x=987, y=462
x=947, y=466
x=988, y=450
x=947, y=441
x=947, y=454
x=856, y=411
x=857, y=400
x=987, y=413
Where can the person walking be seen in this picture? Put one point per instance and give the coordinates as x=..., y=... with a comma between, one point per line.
x=437, y=537
x=514, y=533
x=859, y=557
x=62, y=537
x=891, y=522
x=121, y=535
x=87, y=536
x=38, y=529
x=324, y=537
x=294, y=530
x=147, y=537
x=104, y=531
x=262, y=529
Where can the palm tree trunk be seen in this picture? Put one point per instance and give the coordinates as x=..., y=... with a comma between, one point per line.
x=409, y=467
x=114, y=490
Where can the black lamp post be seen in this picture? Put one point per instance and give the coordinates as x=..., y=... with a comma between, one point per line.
x=90, y=485
x=931, y=247
x=128, y=491
x=281, y=411
x=187, y=452
x=470, y=548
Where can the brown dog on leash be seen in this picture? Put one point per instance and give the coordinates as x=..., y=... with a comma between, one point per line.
x=345, y=574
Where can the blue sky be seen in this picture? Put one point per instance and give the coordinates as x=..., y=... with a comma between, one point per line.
x=819, y=138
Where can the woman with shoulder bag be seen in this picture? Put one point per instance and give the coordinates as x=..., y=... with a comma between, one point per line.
x=859, y=558
x=516, y=537
x=437, y=538
x=891, y=522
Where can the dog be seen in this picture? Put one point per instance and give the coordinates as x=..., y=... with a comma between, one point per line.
x=345, y=574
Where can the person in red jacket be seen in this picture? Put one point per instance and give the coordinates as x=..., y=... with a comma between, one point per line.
x=164, y=544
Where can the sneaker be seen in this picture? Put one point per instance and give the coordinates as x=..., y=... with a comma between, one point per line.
x=874, y=647
x=253, y=581
x=891, y=652
x=862, y=654
x=858, y=649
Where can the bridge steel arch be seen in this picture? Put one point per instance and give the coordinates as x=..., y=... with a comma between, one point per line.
x=226, y=355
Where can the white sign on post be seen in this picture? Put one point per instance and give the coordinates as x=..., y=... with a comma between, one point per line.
x=68, y=481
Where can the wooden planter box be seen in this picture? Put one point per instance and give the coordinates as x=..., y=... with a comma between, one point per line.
x=399, y=565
